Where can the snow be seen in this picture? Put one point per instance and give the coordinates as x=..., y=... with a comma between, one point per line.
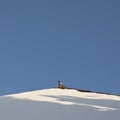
x=57, y=104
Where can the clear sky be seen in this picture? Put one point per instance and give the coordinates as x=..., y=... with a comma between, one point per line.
x=77, y=41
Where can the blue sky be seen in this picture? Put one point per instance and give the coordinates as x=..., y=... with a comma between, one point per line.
x=77, y=41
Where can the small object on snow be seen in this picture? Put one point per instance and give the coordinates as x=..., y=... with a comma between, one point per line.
x=60, y=85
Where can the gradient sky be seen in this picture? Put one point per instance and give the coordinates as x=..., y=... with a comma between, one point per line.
x=77, y=41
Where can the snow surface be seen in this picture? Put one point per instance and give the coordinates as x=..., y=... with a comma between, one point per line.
x=57, y=104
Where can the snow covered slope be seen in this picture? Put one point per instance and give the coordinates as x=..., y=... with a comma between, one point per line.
x=59, y=104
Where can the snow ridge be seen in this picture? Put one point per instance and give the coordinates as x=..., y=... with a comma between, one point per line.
x=68, y=97
x=59, y=104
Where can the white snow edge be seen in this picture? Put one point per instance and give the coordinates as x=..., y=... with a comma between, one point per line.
x=54, y=95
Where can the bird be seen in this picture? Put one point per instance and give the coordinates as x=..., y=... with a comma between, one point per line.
x=60, y=85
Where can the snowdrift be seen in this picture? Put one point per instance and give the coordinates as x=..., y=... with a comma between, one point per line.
x=59, y=104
